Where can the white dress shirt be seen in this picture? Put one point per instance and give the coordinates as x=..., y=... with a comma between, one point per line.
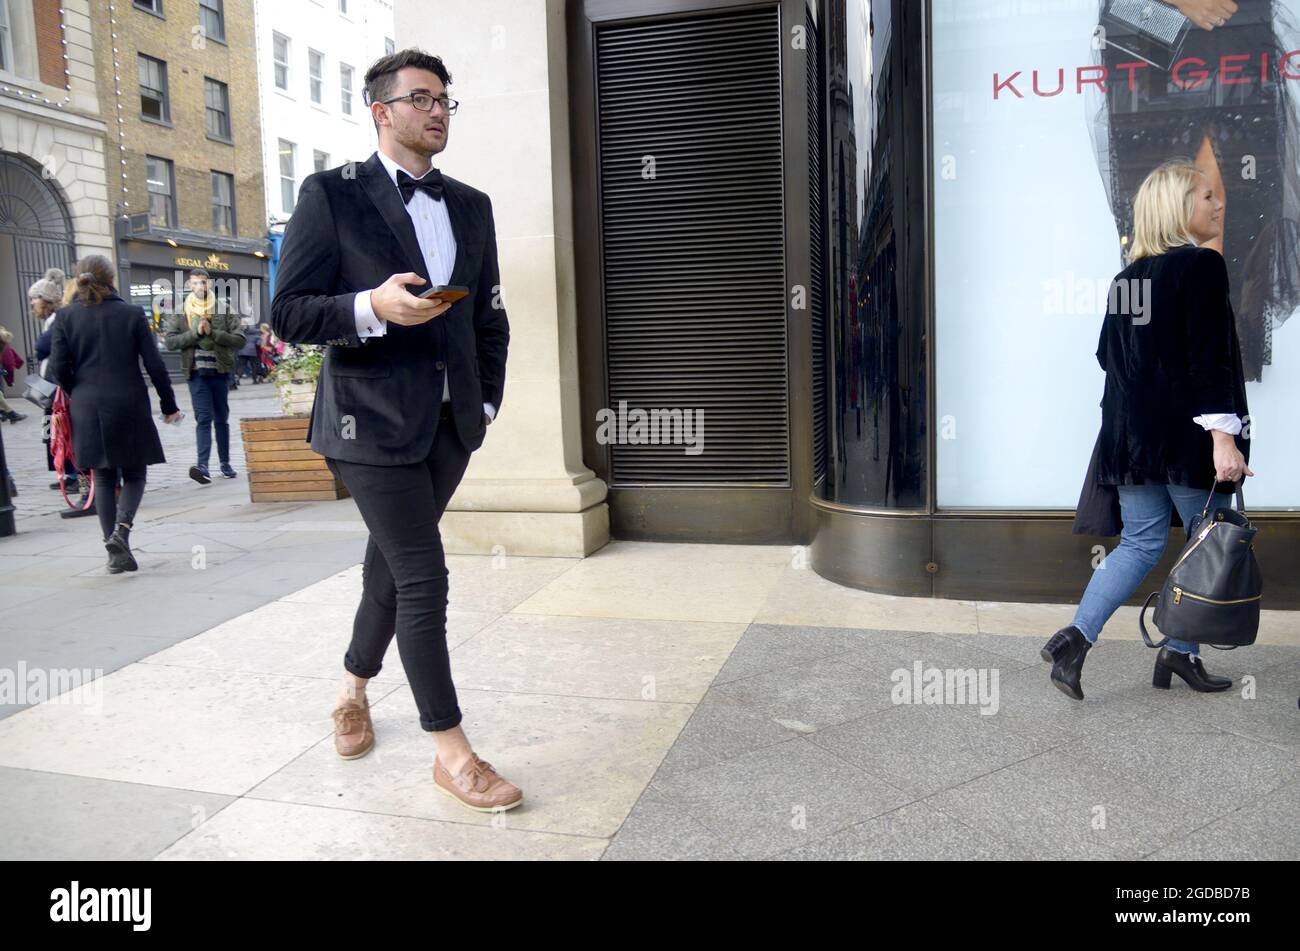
x=438, y=245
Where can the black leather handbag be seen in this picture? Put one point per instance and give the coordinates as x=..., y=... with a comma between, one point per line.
x=1213, y=592
x=39, y=390
x=1148, y=29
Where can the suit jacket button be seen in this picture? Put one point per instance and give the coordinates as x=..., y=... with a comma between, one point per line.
x=440, y=365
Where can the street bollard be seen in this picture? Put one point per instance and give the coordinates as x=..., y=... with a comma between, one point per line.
x=6, y=503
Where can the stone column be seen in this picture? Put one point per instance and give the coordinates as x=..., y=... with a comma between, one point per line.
x=527, y=491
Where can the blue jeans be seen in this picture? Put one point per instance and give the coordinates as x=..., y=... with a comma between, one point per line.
x=208, y=393
x=1144, y=510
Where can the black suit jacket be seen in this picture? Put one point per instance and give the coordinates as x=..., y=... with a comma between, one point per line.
x=96, y=354
x=1181, y=360
x=378, y=400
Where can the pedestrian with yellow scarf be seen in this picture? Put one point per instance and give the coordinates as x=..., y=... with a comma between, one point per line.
x=208, y=335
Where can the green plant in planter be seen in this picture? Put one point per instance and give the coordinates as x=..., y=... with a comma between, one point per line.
x=295, y=378
x=301, y=366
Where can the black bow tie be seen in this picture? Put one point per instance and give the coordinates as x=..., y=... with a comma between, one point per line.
x=431, y=183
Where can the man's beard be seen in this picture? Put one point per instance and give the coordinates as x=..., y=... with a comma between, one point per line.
x=415, y=142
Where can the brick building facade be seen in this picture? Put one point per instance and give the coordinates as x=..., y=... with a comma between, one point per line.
x=178, y=79
x=189, y=57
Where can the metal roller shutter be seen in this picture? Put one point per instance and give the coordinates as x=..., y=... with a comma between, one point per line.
x=693, y=244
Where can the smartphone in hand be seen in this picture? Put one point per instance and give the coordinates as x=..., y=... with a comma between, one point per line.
x=444, y=292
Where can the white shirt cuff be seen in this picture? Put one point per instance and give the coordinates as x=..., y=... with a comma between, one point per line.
x=368, y=325
x=1224, y=422
x=490, y=410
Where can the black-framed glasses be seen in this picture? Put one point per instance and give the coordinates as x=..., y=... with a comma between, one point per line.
x=424, y=102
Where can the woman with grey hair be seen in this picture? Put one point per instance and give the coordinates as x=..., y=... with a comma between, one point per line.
x=44, y=298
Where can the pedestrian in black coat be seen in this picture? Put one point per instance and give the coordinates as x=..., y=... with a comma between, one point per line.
x=98, y=343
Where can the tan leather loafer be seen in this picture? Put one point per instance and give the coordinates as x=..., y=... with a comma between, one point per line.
x=478, y=786
x=354, y=734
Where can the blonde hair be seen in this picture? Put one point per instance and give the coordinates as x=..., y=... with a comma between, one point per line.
x=1162, y=210
x=69, y=293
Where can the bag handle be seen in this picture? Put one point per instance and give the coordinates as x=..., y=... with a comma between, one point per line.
x=1241, y=499
x=88, y=500
x=1142, y=622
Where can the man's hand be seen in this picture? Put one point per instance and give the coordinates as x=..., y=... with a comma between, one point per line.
x=391, y=301
x=1229, y=463
x=1207, y=14
x=204, y=328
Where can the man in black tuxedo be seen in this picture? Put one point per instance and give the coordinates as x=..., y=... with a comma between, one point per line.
x=407, y=388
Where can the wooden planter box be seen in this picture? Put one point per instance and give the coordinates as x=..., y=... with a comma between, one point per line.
x=296, y=398
x=282, y=467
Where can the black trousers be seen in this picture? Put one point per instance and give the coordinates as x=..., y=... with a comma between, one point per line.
x=404, y=588
x=111, y=509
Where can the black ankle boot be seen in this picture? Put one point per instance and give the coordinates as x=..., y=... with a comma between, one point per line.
x=1067, y=663
x=1055, y=645
x=119, y=550
x=1190, y=668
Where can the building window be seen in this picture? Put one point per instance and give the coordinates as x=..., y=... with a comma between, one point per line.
x=280, y=55
x=162, y=191
x=320, y=160
x=153, y=89
x=217, y=99
x=315, y=69
x=389, y=46
x=288, y=188
x=153, y=6
x=223, y=203
x=345, y=88
x=6, y=49
x=212, y=17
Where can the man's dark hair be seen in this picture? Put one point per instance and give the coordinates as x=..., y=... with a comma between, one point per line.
x=382, y=76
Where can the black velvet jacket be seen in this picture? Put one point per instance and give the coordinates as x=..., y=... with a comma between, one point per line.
x=350, y=232
x=1178, y=359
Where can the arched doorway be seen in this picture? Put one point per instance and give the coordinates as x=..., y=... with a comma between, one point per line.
x=35, y=235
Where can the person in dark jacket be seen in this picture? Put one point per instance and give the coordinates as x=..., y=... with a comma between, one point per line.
x=248, y=356
x=10, y=360
x=99, y=341
x=1173, y=412
x=44, y=298
x=208, y=335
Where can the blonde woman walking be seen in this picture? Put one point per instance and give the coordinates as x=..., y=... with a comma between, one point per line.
x=1172, y=411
